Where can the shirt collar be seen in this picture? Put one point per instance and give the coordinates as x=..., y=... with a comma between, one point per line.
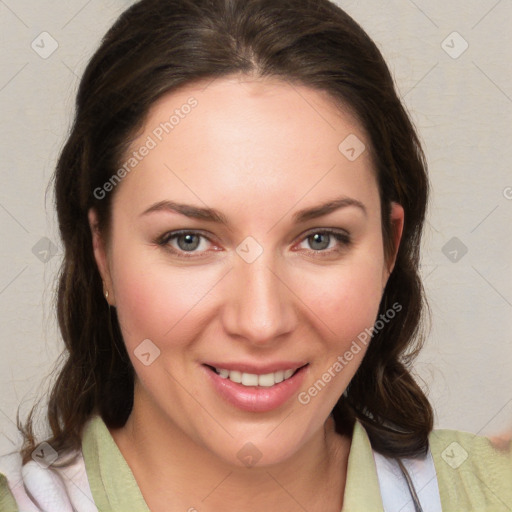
x=362, y=490
x=114, y=487
x=111, y=480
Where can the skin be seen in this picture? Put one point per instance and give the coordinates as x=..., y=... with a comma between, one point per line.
x=258, y=151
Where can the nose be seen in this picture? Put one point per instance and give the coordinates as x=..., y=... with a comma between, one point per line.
x=259, y=306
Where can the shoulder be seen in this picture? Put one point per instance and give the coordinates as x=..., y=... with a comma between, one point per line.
x=472, y=474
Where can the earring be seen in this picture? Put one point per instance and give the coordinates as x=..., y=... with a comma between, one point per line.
x=105, y=291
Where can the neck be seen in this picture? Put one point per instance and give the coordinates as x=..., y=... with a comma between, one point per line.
x=170, y=467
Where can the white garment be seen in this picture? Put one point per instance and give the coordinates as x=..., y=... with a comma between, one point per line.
x=39, y=489
x=394, y=490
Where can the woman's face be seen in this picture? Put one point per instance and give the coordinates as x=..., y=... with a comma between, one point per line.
x=279, y=264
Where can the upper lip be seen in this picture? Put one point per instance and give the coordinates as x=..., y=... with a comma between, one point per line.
x=258, y=369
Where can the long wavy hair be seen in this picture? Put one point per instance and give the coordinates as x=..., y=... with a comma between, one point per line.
x=153, y=48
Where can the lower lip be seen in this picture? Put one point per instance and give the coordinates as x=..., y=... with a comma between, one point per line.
x=256, y=398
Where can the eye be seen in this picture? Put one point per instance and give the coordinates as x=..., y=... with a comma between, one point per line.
x=193, y=244
x=183, y=242
x=327, y=241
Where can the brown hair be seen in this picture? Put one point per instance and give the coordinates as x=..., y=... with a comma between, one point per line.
x=157, y=46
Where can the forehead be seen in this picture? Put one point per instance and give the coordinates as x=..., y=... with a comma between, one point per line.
x=241, y=108
x=248, y=142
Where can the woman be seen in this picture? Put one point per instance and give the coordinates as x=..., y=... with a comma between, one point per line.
x=241, y=201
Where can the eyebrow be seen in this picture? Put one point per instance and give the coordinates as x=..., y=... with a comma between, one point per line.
x=213, y=215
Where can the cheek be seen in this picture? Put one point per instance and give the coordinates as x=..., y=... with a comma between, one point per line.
x=346, y=299
x=159, y=304
x=345, y=314
x=349, y=313
x=156, y=301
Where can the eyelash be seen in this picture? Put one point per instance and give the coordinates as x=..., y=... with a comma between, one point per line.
x=342, y=237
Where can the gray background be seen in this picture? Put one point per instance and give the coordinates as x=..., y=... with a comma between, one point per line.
x=461, y=102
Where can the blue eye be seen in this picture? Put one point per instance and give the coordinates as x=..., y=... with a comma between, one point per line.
x=186, y=241
x=320, y=240
x=189, y=244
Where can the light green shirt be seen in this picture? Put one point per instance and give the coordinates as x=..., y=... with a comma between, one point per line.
x=472, y=475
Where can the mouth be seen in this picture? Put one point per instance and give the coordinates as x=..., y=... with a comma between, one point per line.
x=247, y=379
x=256, y=389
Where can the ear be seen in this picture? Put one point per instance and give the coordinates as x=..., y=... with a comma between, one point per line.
x=397, y=218
x=101, y=256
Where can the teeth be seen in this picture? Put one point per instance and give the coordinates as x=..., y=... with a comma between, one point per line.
x=279, y=376
x=223, y=373
x=251, y=379
x=288, y=374
x=235, y=376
